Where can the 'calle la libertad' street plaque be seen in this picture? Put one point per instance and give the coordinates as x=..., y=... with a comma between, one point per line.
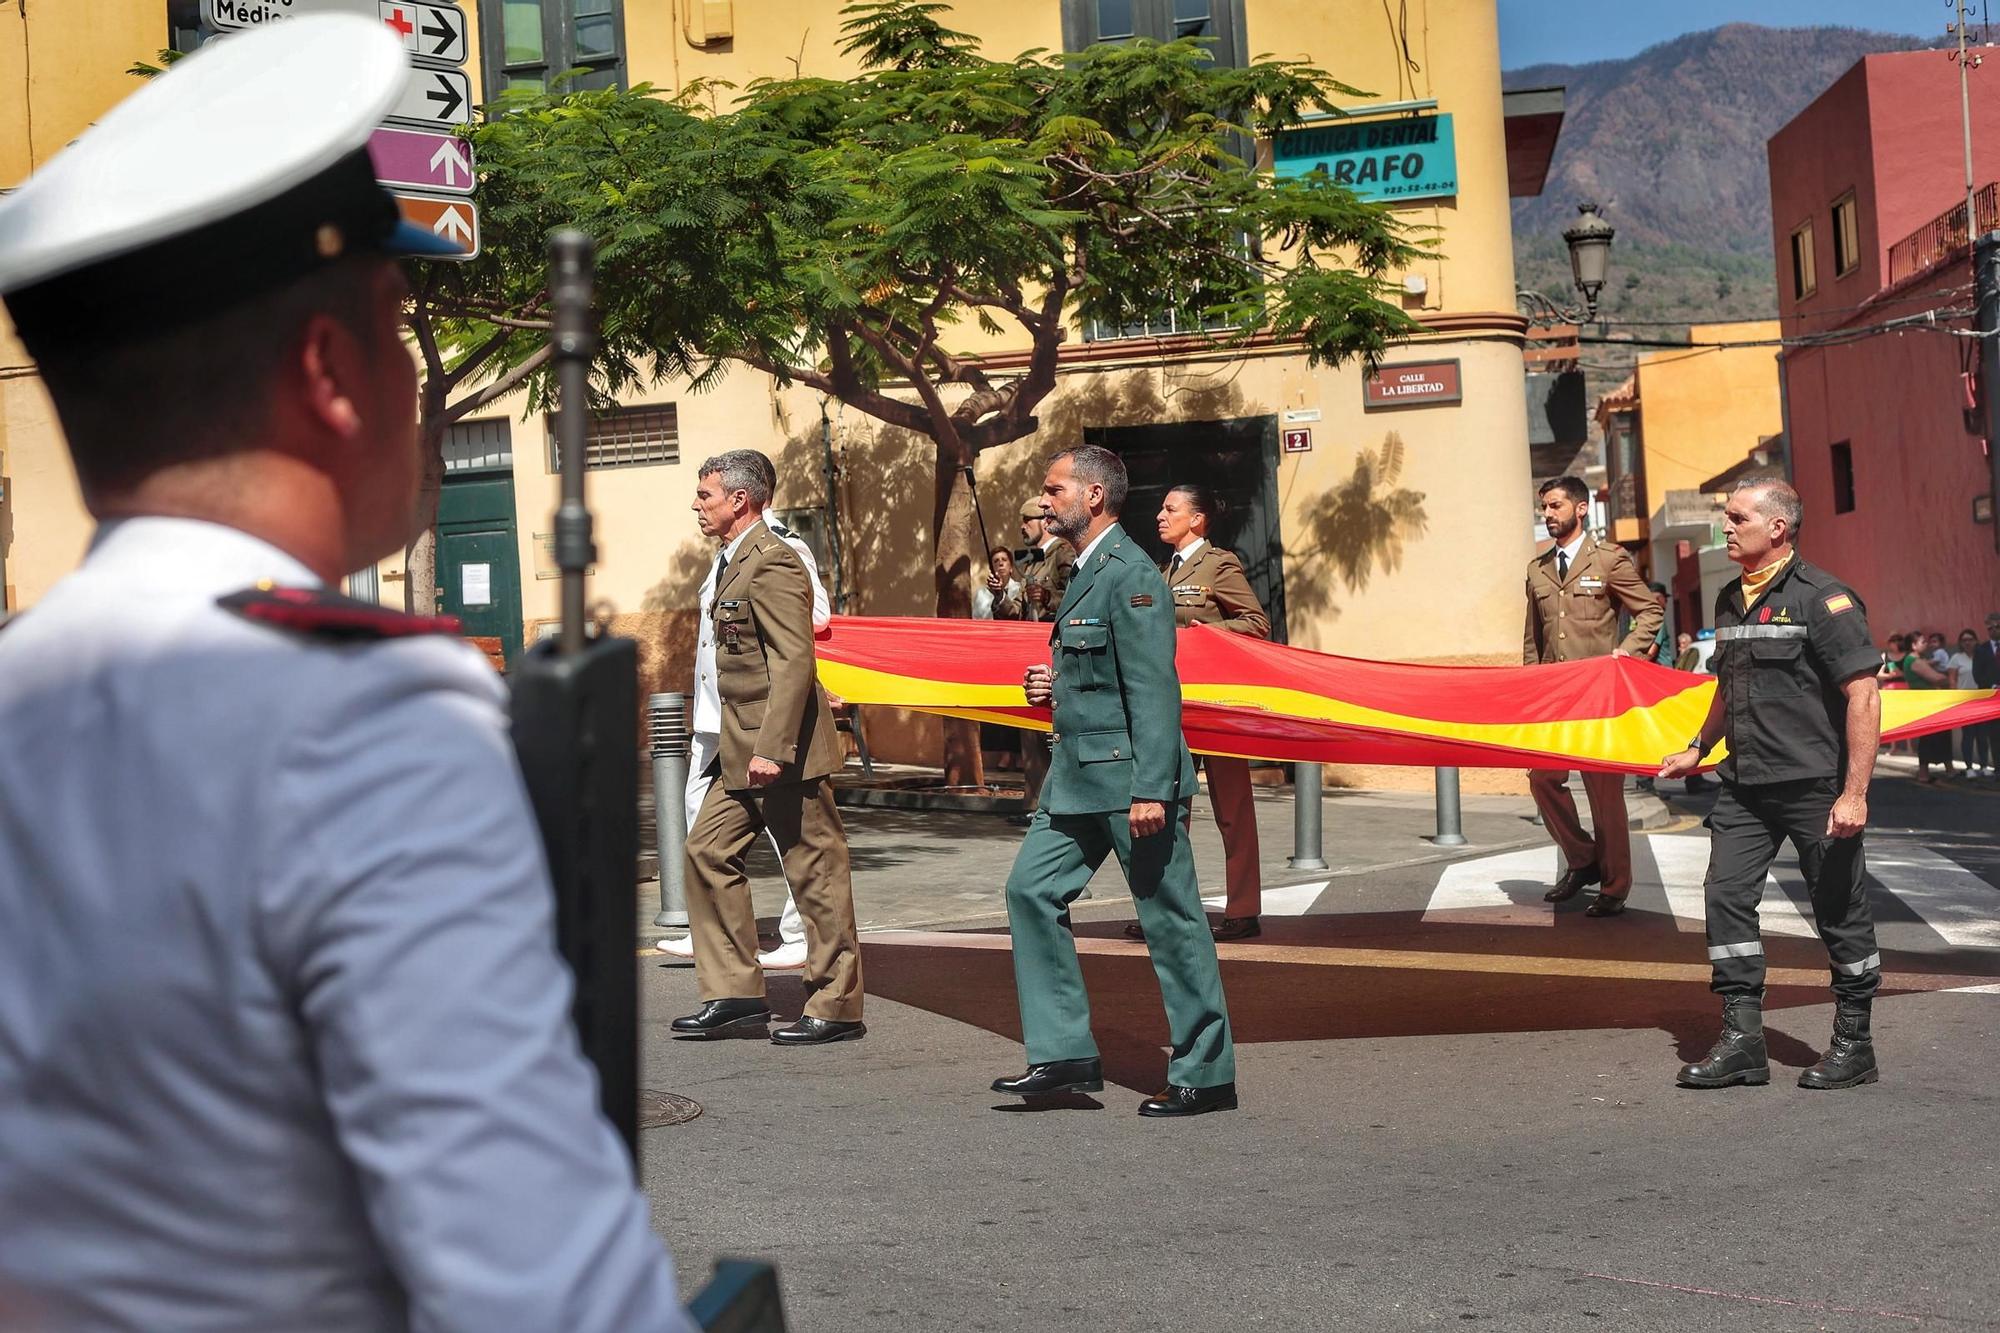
x=1412, y=384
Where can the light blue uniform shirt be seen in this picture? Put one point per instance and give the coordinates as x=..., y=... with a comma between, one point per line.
x=284, y=1037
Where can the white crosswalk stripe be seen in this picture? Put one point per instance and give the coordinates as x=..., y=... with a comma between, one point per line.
x=1682, y=864
x=1506, y=889
x=1503, y=890
x=1950, y=899
x=1285, y=900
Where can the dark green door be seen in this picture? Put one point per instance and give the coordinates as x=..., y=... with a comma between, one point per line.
x=1238, y=460
x=478, y=561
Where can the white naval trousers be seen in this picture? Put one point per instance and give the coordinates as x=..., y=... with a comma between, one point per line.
x=791, y=930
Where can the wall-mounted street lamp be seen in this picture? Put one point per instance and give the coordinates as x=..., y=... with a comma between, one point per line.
x=1589, y=242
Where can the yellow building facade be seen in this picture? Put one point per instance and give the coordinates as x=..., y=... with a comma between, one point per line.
x=1392, y=520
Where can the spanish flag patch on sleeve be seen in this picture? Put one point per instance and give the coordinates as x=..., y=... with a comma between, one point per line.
x=1839, y=602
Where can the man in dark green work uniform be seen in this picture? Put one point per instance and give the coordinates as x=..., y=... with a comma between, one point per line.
x=1796, y=699
x=1120, y=780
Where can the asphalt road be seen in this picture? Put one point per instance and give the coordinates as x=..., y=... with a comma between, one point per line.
x=1458, y=1109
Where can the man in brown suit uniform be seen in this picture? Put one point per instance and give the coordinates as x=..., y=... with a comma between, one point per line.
x=1575, y=589
x=1043, y=584
x=773, y=771
x=1210, y=588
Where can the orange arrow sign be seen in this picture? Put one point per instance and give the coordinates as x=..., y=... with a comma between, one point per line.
x=457, y=220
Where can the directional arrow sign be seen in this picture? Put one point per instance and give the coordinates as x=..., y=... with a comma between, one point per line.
x=420, y=161
x=454, y=219
x=433, y=98
x=432, y=34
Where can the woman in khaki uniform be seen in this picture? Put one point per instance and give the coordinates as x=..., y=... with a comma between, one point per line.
x=1209, y=588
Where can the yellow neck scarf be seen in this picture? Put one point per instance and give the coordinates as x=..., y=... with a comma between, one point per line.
x=1756, y=580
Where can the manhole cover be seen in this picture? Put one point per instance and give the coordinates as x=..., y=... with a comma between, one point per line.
x=665, y=1108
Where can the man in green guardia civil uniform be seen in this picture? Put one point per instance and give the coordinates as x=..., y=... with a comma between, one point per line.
x=1120, y=780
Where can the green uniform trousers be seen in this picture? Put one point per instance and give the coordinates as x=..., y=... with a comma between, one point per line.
x=1056, y=861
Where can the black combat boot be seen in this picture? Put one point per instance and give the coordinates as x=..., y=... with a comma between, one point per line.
x=1850, y=1060
x=1738, y=1055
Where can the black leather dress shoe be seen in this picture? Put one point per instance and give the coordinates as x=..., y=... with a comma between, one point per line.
x=1605, y=905
x=725, y=1018
x=818, y=1032
x=1177, y=1100
x=1237, y=928
x=1573, y=882
x=1055, y=1078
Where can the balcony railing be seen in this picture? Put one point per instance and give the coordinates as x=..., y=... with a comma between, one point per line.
x=1941, y=236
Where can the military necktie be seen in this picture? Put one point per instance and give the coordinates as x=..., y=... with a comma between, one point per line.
x=1174, y=570
x=1562, y=566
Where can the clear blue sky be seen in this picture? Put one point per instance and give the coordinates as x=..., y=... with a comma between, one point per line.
x=1573, y=32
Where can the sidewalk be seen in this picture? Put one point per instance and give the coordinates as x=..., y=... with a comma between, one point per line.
x=936, y=868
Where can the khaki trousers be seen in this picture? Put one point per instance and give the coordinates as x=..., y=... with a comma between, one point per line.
x=805, y=826
x=1611, y=849
x=1235, y=802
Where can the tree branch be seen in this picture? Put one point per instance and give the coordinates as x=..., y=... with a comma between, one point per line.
x=500, y=387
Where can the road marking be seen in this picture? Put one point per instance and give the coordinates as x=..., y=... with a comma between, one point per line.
x=1285, y=900
x=1430, y=961
x=1950, y=899
x=1682, y=862
x=1503, y=890
x=1750, y=1299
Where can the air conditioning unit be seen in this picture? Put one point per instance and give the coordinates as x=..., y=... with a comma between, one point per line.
x=708, y=21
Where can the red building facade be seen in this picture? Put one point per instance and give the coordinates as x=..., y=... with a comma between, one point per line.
x=1885, y=445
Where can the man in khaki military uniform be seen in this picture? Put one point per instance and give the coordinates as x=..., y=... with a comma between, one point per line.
x=1043, y=583
x=1575, y=590
x=773, y=772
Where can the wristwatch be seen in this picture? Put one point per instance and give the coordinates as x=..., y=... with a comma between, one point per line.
x=1697, y=746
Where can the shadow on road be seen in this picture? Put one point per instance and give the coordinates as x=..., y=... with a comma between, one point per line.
x=1387, y=974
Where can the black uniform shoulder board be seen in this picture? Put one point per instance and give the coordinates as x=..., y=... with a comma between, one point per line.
x=321, y=614
x=777, y=527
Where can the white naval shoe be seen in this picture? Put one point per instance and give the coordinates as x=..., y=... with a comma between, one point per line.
x=681, y=949
x=784, y=958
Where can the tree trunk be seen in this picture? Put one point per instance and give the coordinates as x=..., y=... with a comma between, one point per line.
x=960, y=547
x=420, y=552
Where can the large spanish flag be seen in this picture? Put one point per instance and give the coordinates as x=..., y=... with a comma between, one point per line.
x=1242, y=696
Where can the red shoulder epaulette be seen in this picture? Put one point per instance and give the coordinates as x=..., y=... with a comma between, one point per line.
x=329, y=615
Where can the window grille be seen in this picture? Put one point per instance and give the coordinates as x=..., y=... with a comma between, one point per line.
x=482, y=445
x=626, y=437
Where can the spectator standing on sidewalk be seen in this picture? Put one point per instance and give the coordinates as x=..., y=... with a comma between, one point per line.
x=1044, y=579
x=1919, y=673
x=1971, y=740
x=1686, y=656
x=1986, y=676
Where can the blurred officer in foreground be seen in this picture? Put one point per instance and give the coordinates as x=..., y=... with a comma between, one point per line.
x=1797, y=701
x=1120, y=783
x=285, y=1041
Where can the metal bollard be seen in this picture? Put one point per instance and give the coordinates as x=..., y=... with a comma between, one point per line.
x=1305, y=818
x=667, y=729
x=1450, y=828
